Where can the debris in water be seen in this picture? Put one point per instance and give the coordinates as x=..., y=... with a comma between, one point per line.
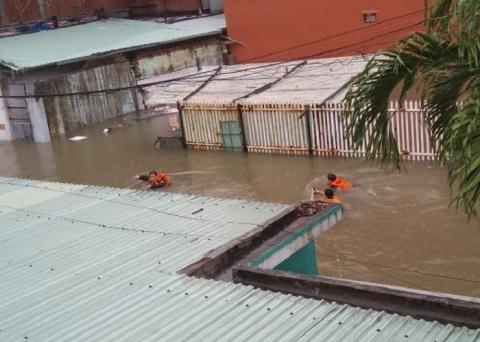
x=78, y=138
x=168, y=142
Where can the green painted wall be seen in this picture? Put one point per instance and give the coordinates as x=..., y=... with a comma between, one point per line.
x=303, y=261
x=332, y=210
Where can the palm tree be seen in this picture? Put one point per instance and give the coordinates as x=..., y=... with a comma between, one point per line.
x=445, y=60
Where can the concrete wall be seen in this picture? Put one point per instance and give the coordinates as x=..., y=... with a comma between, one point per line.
x=5, y=133
x=17, y=109
x=24, y=11
x=152, y=7
x=214, y=6
x=38, y=120
x=276, y=28
x=431, y=306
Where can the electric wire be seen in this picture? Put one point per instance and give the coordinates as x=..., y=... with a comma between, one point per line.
x=374, y=25
x=137, y=86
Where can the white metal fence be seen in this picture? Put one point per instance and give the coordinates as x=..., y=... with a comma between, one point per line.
x=299, y=129
x=202, y=124
x=276, y=128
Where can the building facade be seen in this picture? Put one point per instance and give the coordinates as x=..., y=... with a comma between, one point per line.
x=65, y=61
x=20, y=12
x=281, y=30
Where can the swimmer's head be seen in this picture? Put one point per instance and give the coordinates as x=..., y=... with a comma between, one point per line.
x=328, y=193
x=331, y=177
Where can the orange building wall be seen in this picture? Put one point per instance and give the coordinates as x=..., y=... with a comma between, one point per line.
x=275, y=30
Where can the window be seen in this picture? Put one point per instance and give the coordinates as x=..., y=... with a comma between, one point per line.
x=369, y=17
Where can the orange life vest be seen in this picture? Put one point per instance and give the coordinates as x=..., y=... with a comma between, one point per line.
x=331, y=200
x=340, y=183
x=159, y=178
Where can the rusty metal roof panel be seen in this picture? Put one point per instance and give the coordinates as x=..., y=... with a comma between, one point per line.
x=84, y=263
x=90, y=40
x=315, y=81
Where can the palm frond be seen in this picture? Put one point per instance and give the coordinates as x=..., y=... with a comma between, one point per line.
x=447, y=77
x=464, y=146
x=441, y=14
x=459, y=21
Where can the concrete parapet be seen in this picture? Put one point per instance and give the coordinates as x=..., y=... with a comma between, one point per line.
x=432, y=306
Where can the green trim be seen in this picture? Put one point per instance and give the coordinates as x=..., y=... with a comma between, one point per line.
x=333, y=210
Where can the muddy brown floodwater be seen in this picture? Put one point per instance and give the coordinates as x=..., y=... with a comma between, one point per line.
x=397, y=227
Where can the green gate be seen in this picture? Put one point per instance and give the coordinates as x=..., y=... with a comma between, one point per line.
x=231, y=135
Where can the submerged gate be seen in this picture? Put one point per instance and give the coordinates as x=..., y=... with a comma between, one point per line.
x=231, y=135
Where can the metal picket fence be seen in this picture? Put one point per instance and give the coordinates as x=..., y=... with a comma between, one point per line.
x=316, y=129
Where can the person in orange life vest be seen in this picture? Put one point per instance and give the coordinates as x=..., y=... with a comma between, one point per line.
x=156, y=180
x=328, y=196
x=336, y=182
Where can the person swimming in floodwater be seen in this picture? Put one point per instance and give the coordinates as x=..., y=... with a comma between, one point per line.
x=155, y=179
x=336, y=182
x=328, y=196
x=109, y=130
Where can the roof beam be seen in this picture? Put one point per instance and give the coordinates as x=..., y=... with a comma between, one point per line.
x=203, y=85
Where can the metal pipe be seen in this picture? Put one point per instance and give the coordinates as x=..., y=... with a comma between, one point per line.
x=242, y=126
x=309, y=130
x=182, y=126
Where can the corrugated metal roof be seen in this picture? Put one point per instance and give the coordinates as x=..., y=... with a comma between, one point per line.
x=83, y=263
x=81, y=42
x=318, y=80
x=162, y=225
x=155, y=306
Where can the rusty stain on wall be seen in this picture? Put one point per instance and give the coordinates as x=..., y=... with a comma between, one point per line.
x=173, y=59
x=67, y=112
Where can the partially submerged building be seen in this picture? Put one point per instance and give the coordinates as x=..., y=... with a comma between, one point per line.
x=53, y=81
x=93, y=263
x=292, y=107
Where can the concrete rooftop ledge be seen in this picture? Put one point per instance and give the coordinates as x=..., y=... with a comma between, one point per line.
x=433, y=306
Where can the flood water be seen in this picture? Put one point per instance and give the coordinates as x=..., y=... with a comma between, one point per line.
x=397, y=227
